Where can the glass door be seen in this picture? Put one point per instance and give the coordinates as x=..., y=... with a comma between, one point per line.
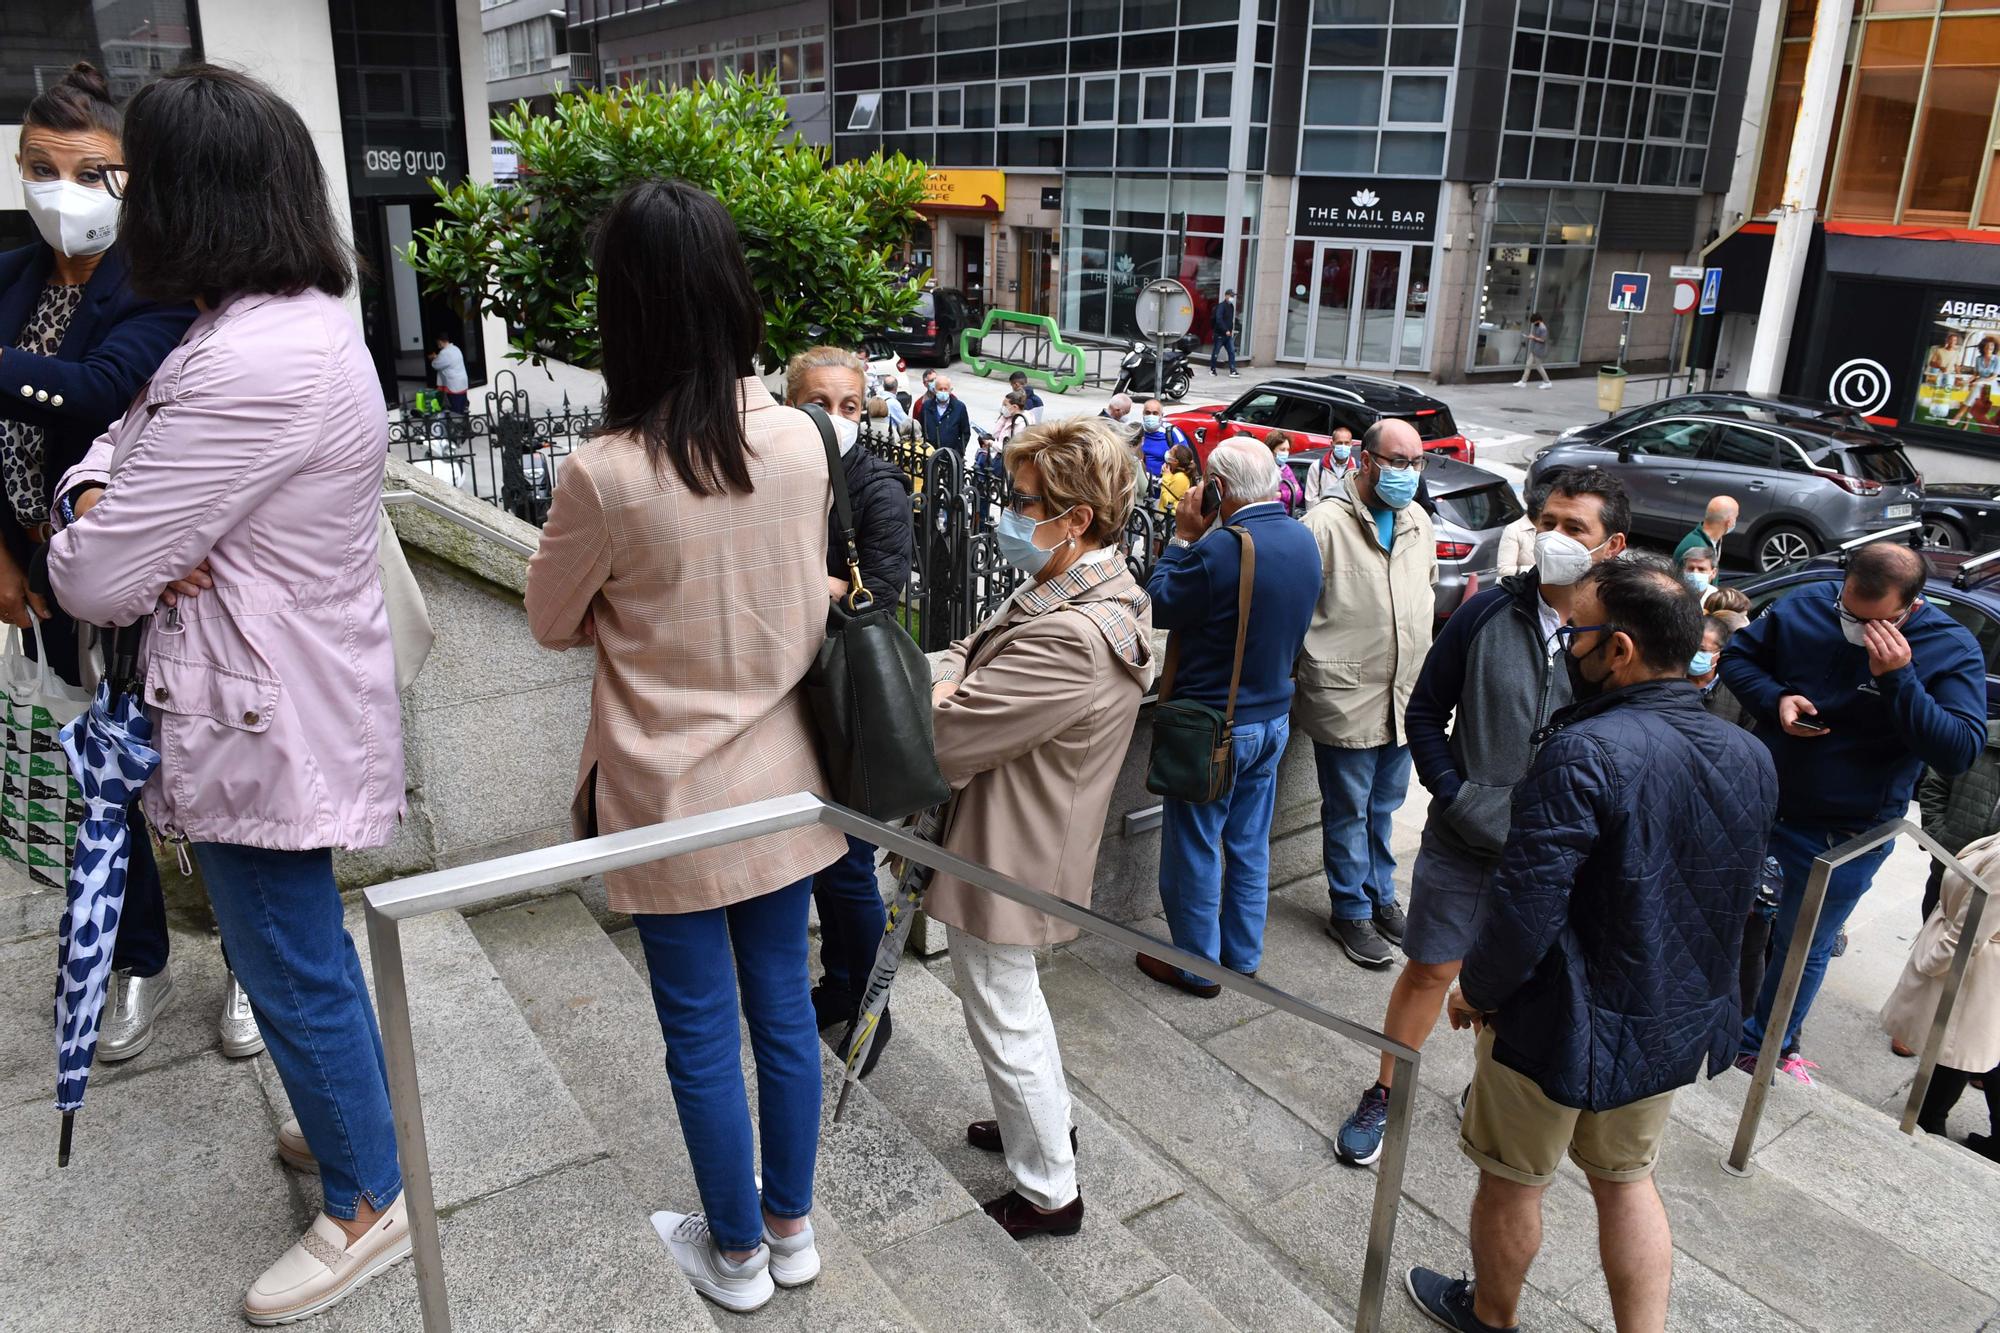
x=1353, y=305
x=1332, y=323
x=1378, y=319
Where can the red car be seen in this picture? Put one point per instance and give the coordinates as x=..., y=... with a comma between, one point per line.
x=1308, y=409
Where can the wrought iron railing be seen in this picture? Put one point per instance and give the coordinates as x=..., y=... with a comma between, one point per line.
x=507, y=456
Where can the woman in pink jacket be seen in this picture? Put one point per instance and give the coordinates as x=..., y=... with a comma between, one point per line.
x=233, y=507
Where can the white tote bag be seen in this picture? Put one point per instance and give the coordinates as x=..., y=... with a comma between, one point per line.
x=410, y=627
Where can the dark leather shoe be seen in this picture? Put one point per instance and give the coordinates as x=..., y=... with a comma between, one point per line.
x=1168, y=975
x=832, y=1008
x=1021, y=1219
x=985, y=1136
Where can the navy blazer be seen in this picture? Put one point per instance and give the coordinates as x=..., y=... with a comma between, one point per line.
x=114, y=344
x=951, y=431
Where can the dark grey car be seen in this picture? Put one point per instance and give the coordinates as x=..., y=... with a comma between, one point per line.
x=1802, y=486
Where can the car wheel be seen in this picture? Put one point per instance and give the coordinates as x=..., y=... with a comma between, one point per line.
x=1944, y=534
x=1784, y=545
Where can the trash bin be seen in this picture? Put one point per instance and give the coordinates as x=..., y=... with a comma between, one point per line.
x=1610, y=388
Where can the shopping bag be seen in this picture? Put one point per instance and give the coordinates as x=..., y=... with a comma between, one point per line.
x=40, y=803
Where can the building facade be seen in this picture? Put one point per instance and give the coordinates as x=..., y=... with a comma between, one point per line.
x=528, y=57
x=1899, y=312
x=394, y=92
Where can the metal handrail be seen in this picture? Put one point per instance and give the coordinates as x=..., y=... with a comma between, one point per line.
x=411, y=499
x=1738, y=1162
x=389, y=905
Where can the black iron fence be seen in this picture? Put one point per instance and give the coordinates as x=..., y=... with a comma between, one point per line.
x=509, y=456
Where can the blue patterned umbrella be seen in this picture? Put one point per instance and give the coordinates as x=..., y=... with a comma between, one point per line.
x=110, y=756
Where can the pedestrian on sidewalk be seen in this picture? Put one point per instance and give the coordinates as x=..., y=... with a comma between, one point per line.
x=1223, y=325
x=1031, y=401
x=456, y=389
x=1328, y=474
x=1972, y=1039
x=1157, y=435
x=1604, y=977
x=239, y=513
x=1033, y=716
x=1369, y=634
x=1493, y=677
x=697, y=707
x=1537, y=347
x=1854, y=688
x=1215, y=859
x=1718, y=520
x=79, y=344
x=1291, y=492
x=945, y=422
x=847, y=893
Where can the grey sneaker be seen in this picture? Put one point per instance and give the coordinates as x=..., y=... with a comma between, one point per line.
x=1360, y=941
x=1391, y=922
x=134, y=1005
x=740, y=1287
x=240, y=1037
x=794, y=1259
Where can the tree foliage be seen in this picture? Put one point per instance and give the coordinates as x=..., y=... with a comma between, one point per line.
x=818, y=236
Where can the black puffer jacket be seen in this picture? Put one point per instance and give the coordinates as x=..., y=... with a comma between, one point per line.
x=883, y=528
x=1611, y=948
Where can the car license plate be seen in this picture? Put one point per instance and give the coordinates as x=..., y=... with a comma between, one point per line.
x=1899, y=511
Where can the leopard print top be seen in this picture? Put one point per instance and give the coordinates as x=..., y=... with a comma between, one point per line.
x=21, y=441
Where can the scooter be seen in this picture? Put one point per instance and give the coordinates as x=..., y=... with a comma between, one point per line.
x=1175, y=374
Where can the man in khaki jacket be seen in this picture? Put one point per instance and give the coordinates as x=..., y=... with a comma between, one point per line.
x=1370, y=631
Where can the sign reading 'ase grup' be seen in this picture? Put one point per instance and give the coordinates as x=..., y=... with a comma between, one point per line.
x=1366, y=208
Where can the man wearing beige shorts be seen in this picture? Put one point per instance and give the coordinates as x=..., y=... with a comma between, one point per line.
x=1605, y=973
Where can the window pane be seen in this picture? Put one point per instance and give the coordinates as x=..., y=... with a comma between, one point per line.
x=1879, y=120
x=1338, y=150
x=1955, y=123
x=1350, y=46
x=1423, y=46
x=1744, y=448
x=1669, y=116
x=1215, y=95
x=1099, y=97
x=1343, y=99
x=1014, y=104
x=1407, y=154
x=1417, y=99
x=1559, y=106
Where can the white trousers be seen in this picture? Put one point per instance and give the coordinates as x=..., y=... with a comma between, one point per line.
x=1016, y=1040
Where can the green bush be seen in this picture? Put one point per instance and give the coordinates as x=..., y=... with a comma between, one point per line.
x=818, y=236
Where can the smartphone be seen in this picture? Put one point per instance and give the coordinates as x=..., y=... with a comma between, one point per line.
x=1807, y=724
x=1211, y=499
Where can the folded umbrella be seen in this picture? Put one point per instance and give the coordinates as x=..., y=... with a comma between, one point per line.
x=909, y=896
x=111, y=756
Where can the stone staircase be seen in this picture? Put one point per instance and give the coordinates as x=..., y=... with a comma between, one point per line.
x=1215, y=1201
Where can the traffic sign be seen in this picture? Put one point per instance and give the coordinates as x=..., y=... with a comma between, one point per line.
x=1711, y=291
x=1163, y=309
x=1686, y=292
x=1628, y=292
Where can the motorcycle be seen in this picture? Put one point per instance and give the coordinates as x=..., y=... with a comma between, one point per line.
x=1175, y=372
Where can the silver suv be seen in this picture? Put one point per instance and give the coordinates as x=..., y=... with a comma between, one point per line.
x=1802, y=486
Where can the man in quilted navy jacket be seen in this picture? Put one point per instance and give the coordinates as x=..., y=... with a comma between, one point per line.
x=1605, y=975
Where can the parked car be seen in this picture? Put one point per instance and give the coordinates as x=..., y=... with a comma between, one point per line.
x=1774, y=408
x=1469, y=508
x=1309, y=407
x=1963, y=586
x=1962, y=516
x=1803, y=486
x=882, y=361
x=930, y=332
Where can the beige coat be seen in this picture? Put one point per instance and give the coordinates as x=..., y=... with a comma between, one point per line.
x=708, y=609
x=1972, y=1039
x=1372, y=626
x=1032, y=740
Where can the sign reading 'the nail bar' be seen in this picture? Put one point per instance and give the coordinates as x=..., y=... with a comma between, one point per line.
x=1366, y=208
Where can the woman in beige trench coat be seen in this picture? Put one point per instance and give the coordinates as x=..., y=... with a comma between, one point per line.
x=1972, y=1039
x=1033, y=716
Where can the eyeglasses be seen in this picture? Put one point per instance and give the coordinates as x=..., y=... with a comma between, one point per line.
x=1853, y=619
x=115, y=178
x=1398, y=464
x=1023, y=501
x=1569, y=634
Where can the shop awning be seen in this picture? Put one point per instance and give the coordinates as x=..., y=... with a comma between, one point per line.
x=1953, y=258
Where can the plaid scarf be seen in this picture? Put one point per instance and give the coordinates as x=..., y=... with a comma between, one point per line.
x=1119, y=618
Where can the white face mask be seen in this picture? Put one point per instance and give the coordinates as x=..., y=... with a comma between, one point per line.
x=72, y=218
x=845, y=433
x=1561, y=559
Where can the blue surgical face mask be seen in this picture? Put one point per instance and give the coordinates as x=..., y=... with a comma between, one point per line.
x=1698, y=582
x=1016, y=535
x=1150, y=421
x=1701, y=663
x=1395, y=488
x=1342, y=452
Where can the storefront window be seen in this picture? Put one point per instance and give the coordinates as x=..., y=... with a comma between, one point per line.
x=1952, y=129
x=1120, y=235
x=1539, y=249
x=133, y=43
x=1876, y=139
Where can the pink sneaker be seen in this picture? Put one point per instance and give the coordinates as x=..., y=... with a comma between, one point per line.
x=1791, y=1062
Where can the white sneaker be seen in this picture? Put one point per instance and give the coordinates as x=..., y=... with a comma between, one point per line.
x=1547, y=385
x=740, y=1287
x=1520, y=384
x=294, y=1149
x=318, y=1273
x=794, y=1259
x=133, y=1006
x=240, y=1037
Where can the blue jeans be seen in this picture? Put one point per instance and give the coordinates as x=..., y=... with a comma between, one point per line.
x=1795, y=847
x=1215, y=859
x=851, y=919
x=1224, y=342
x=279, y=914
x=699, y=961
x=1359, y=794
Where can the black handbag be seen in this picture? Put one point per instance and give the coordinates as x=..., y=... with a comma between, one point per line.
x=1194, y=747
x=870, y=687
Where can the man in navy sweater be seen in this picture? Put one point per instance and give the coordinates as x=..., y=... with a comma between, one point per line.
x=1215, y=859
x=1854, y=689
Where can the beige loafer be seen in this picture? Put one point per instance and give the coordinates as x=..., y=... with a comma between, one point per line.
x=292, y=1146
x=324, y=1267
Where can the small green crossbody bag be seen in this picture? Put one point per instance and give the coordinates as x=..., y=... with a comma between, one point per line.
x=1194, y=747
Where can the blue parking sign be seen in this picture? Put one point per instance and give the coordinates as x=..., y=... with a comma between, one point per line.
x=1711, y=290
x=1628, y=292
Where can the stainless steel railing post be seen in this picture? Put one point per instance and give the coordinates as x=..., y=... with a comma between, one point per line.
x=399, y=1054
x=1388, y=1196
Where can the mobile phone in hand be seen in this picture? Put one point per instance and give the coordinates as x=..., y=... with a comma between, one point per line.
x=1807, y=724
x=1211, y=499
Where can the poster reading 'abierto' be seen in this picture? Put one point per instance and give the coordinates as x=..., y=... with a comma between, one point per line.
x=1959, y=388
